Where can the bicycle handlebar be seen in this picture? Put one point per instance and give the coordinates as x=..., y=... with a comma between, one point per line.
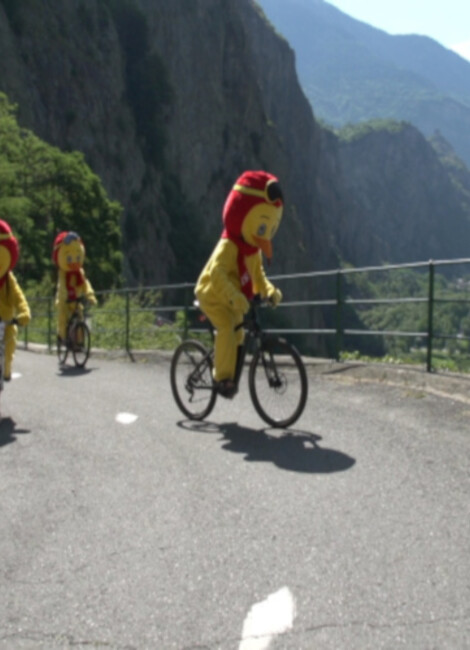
x=250, y=319
x=82, y=299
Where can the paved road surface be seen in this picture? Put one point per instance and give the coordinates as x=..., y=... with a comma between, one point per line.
x=124, y=526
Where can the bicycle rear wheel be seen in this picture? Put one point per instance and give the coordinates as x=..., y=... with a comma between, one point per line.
x=81, y=340
x=278, y=382
x=192, y=383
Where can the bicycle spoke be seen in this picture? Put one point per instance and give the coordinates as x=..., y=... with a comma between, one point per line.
x=191, y=380
x=80, y=341
x=278, y=384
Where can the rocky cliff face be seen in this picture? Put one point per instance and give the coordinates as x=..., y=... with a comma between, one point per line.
x=410, y=206
x=229, y=101
x=171, y=101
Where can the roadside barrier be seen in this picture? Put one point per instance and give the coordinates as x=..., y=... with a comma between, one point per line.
x=324, y=311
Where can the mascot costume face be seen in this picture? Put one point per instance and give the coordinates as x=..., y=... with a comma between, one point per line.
x=69, y=255
x=234, y=272
x=9, y=251
x=13, y=304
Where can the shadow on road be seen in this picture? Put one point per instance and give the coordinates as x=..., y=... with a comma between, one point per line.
x=73, y=371
x=8, y=431
x=296, y=451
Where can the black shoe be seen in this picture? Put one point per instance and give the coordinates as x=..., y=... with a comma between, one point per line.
x=227, y=388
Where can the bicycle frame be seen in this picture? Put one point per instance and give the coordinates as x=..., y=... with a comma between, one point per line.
x=77, y=340
x=198, y=372
x=77, y=313
x=253, y=332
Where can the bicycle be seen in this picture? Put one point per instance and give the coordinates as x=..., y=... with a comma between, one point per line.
x=78, y=337
x=277, y=378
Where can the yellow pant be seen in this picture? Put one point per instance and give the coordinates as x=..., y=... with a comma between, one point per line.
x=10, y=347
x=227, y=339
x=65, y=310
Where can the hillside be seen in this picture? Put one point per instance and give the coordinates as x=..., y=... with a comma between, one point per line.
x=164, y=102
x=352, y=72
x=170, y=102
x=412, y=204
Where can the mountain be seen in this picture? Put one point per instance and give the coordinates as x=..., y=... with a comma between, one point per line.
x=164, y=101
x=410, y=196
x=170, y=101
x=352, y=72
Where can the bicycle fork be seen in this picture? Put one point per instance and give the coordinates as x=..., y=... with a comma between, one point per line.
x=270, y=368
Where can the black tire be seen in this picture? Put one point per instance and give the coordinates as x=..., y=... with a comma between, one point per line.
x=278, y=383
x=62, y=350
x=80, y=341
x=192, y=383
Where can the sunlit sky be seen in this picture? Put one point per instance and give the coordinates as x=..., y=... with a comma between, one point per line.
x=446, y=21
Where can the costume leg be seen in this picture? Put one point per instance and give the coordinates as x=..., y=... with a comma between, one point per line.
x=62, y=318
x=10, y=347
x=226, y=339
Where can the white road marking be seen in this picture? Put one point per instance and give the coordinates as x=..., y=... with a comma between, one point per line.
x=126, y=418
x=16, y=375
x=268, y=619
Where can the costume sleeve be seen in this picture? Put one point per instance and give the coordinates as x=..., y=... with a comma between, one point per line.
x=89, y=292
x=22, y=310
x=224, y=270
x=261, y=284
x=61, y=294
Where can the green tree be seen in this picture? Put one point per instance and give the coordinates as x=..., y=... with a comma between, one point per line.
x=43, y=191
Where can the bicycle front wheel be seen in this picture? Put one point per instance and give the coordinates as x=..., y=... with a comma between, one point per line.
x=81, y=341
x=192, y=383
x=62, y=350
x=278, y=383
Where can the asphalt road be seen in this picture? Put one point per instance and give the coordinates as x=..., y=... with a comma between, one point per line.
x=125, y=526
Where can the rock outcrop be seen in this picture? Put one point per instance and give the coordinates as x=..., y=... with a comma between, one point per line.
x=171, y=101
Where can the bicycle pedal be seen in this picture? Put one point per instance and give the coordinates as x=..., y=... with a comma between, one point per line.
x=227, y=389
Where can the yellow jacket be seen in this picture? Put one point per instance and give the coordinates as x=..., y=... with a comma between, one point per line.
x=13, y=303
x=219, y=281
x=76, y=290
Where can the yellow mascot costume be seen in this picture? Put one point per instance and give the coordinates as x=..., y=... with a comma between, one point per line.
x=13, y=304
x=69, y=255
x=234, y=272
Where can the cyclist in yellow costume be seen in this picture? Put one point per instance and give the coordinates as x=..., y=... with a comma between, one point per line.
x=234, y=272
x=69, y=254
x=13, y=304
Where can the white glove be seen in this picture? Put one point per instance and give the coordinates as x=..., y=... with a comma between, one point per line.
x=275, y=297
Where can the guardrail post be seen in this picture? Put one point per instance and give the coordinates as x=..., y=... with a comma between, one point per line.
x=186, y=313
x=339, y=324
x=430, y=316
x=127, y=324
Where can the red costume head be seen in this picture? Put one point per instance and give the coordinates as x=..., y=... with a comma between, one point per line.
x=9, y=249
x=68, y=254
x=252, y=188
x=252, y=213
x=73, y=245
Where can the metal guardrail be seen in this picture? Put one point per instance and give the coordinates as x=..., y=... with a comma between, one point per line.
x=172, y=299
x=340, y=300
